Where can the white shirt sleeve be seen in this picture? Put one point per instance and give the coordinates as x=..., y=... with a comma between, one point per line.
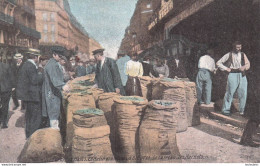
x=223, y=60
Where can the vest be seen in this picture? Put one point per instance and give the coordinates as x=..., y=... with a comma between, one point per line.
x=230, y=61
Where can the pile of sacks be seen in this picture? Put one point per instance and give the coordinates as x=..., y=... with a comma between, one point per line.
x=182, y=92
x=91, y=137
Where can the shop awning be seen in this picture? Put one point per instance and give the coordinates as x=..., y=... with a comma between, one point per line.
x=195, y=7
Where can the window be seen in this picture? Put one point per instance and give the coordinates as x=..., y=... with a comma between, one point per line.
x=148, y=6
x=53, y=38
x=45, y=16
x=45, y=28
x=45, y=38
x=52, y=28
x=52, y=17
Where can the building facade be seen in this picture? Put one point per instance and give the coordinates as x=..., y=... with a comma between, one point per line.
x=59, y=27
x=187, y=28
x=17, y=26
x=137, y=36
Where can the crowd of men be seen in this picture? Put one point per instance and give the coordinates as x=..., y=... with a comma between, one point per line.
x=39, y=81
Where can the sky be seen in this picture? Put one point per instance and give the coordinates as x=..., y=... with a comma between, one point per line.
x=104, y=20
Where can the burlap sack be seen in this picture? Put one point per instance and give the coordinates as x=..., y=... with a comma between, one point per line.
x=44, y=145
x=89, y=118
x=128, y=111
x=157, y=133
x=146, y=86
x=192, y=108
x=173, y=90
x=96, y=92
x=105, y=101
x=92, y=145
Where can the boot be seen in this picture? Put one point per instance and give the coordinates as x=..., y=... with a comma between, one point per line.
x=249, y=130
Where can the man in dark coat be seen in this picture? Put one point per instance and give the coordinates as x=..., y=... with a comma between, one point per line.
x=16, y=67
x=28, y=90
x=52, y=89
x=107, y=74
x=177, y=67
x=6, y=84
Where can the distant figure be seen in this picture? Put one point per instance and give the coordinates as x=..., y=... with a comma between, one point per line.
x=42, y=62
x=7, y=82
x=63, y=62
x=121, y=64
x=19, y=61
x=206, y=68
x=160, y=69
x=177, y=68
x=107, y=74
x=80, y=69
x=146, y=66
x=236, y=64
x=134, y=70
x=91, y=67
x=29, y=90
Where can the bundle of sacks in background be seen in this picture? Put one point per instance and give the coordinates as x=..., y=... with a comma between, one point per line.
x=128, y=111
x=146, y=86
x=157, y=133
x=44, y=145
x=183, y=92
x=91, y=137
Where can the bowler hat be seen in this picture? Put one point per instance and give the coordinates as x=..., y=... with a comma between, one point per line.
x=98, y=51
x=18, y=56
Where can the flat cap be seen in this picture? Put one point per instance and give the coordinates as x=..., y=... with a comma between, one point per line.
x=97, y=51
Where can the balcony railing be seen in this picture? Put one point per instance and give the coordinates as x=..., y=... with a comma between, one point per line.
x=28, y=31
x=28, y=10
x=12, y=1
x=6, y=18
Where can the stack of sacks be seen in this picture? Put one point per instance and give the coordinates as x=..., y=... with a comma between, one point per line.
x=91, y=137
x=157, y=133
x=173, y=90
x=128, y=111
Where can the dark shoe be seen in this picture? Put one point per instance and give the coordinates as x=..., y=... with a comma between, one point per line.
x=226, y=114
x=250, y=143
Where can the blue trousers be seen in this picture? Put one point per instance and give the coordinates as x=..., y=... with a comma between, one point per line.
x=235, y=82
x=204, y=80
